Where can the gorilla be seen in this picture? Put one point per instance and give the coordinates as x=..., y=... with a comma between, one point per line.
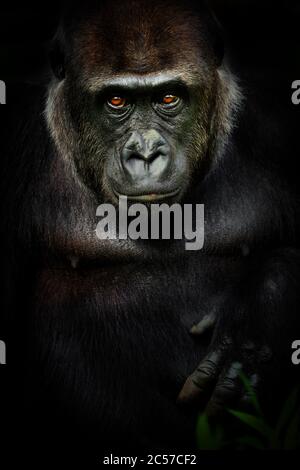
x=127, y=341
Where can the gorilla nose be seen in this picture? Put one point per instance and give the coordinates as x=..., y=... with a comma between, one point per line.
x=145, y=155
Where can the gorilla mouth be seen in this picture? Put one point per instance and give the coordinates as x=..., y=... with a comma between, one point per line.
x=150, y=197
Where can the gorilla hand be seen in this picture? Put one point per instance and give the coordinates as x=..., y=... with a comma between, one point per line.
x=216, y=381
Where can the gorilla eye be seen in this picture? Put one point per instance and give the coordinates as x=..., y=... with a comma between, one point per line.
x=169, y=100
x=117, y=102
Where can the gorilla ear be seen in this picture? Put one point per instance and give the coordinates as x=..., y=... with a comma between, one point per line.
x=57, y=59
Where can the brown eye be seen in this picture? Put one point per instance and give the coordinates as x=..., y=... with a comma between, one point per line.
x=117, y=102
x=170, y=100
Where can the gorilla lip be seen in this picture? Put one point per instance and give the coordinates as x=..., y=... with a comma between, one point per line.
x=150, y=197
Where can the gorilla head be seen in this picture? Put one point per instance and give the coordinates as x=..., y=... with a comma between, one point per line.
x=140, y=106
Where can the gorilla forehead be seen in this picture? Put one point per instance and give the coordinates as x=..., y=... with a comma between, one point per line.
x=140, y=36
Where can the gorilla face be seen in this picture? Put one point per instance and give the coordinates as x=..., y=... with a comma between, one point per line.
x=146, y=119
x=142, y=127
x=138, y=102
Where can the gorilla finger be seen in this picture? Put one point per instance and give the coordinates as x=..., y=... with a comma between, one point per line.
x=199, y=381
x=207, y=323
x=227, y=391
x=248, y=400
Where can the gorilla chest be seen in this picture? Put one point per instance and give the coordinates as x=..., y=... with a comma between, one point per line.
x=121, y=336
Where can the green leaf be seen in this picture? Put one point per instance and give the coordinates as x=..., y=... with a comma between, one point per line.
x=255, y=423
x=287, y=411
x=292, y=439
x=207, y=438
x=247, y=384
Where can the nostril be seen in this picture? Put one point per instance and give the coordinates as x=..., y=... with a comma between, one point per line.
x=135, y=156
x=146, y=157
x=154, y=156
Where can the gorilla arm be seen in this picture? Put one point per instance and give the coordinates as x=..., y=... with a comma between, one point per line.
x=252, y=334
x=250, y=211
